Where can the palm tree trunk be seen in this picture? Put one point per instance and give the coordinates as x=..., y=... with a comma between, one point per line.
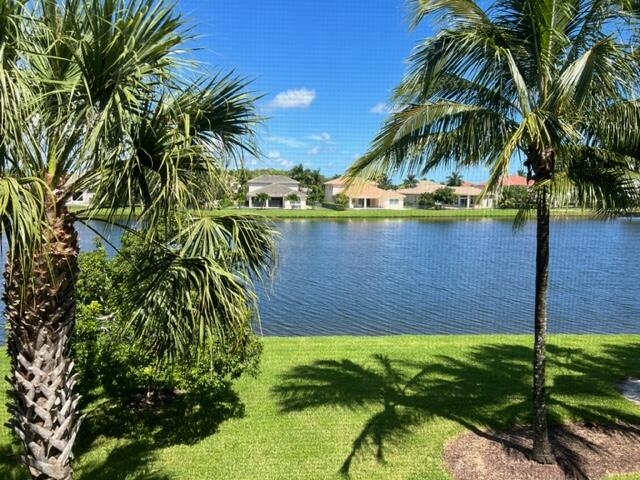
x=40, y=311
x=542, y=451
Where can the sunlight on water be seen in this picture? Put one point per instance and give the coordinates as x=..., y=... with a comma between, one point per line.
x=476, y=276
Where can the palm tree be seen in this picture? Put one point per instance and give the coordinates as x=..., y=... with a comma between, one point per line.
x=410, y=182
x=526, y=79
x=454, y=180
x=262, y=198
x=93, y=98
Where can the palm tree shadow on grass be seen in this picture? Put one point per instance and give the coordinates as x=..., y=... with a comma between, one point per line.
x=486, y=391
x=140, y=431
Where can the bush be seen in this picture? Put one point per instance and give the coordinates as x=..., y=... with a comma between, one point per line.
x=445, y=196
x=426, y=200
x=108, y=355
x=515, y=196
x=342, y=200
x=333, y=206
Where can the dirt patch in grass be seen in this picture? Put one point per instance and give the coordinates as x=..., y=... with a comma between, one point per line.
x=583, y=452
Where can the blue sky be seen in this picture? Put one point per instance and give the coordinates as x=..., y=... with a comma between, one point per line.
x=326, y=69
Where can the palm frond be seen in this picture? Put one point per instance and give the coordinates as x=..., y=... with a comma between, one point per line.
x=188, y=293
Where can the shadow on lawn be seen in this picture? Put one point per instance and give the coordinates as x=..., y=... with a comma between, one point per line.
x=486, y=390
x=140, y=432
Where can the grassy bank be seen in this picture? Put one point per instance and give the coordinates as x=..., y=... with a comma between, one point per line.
x=381, y=213
x=404, y=213
x=381, y=406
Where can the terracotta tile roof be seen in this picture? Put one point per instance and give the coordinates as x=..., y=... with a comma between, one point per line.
x=515, y=180
x=362, y=189
x=370, y=190
x=510, y=181
x=336, y=181
x=467, y=190
x=424, y=186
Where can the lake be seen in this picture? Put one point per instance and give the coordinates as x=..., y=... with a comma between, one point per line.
x=372, y=277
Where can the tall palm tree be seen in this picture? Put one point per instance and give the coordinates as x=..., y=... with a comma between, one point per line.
x=537, y=81
x=455, y=179
x=92, y=97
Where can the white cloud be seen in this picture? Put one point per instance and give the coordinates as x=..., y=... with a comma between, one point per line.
x=314, y=151
x=321, y=137
x=289, y=142
x=277, y=157
x=382, y=107
x=299, y=98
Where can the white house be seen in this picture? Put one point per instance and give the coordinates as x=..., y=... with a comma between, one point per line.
x=363, y=194
x=281, y=190
x=81, y=198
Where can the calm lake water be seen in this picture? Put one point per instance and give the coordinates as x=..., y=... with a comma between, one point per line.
x=410, y=276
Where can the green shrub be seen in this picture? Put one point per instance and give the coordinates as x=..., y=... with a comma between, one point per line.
x=342, y=200
x=515, y=196
x=108, y=355
x=445, y=196
x=426, y=200
x=333, y=206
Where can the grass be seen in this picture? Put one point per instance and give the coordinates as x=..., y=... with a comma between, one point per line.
x=378, y=213
x=377, y=407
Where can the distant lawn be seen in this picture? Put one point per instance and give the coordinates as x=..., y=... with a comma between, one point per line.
x=402, y=213
x=374, y=213
x=383, y=407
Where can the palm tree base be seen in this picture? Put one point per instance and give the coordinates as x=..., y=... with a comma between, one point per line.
x=546, y=458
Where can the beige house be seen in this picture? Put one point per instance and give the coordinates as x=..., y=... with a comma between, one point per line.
x=412, y=195
x=363, y=194
x=279, y=189
x=466, y=195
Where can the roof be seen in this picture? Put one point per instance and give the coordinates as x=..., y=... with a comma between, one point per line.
x=465, y=183
x=515, y=180
x=424, y=186
x=336, y=181
x=273, y=179
x=510, y=181
x=277, y=190
x=363, y=189
x=467, y=190
x=370, y=190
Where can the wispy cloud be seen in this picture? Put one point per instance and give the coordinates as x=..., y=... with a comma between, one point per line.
x=289, y=142
x=321, y=137
x=382, y=107
x=325, y=143
x=298, y=98
x=277, y=157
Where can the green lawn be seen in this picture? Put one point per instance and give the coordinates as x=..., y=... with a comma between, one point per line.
x=383, y=406
x=404, y=213
x=379, y=213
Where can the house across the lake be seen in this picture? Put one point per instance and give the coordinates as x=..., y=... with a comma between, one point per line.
x=466, y=195
x=363, y=194
x=275, y=191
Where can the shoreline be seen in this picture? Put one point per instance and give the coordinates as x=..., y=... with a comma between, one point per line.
x=373, y=214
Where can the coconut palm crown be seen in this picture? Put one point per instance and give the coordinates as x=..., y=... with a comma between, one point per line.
x=97, y=95
x=546, y=84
